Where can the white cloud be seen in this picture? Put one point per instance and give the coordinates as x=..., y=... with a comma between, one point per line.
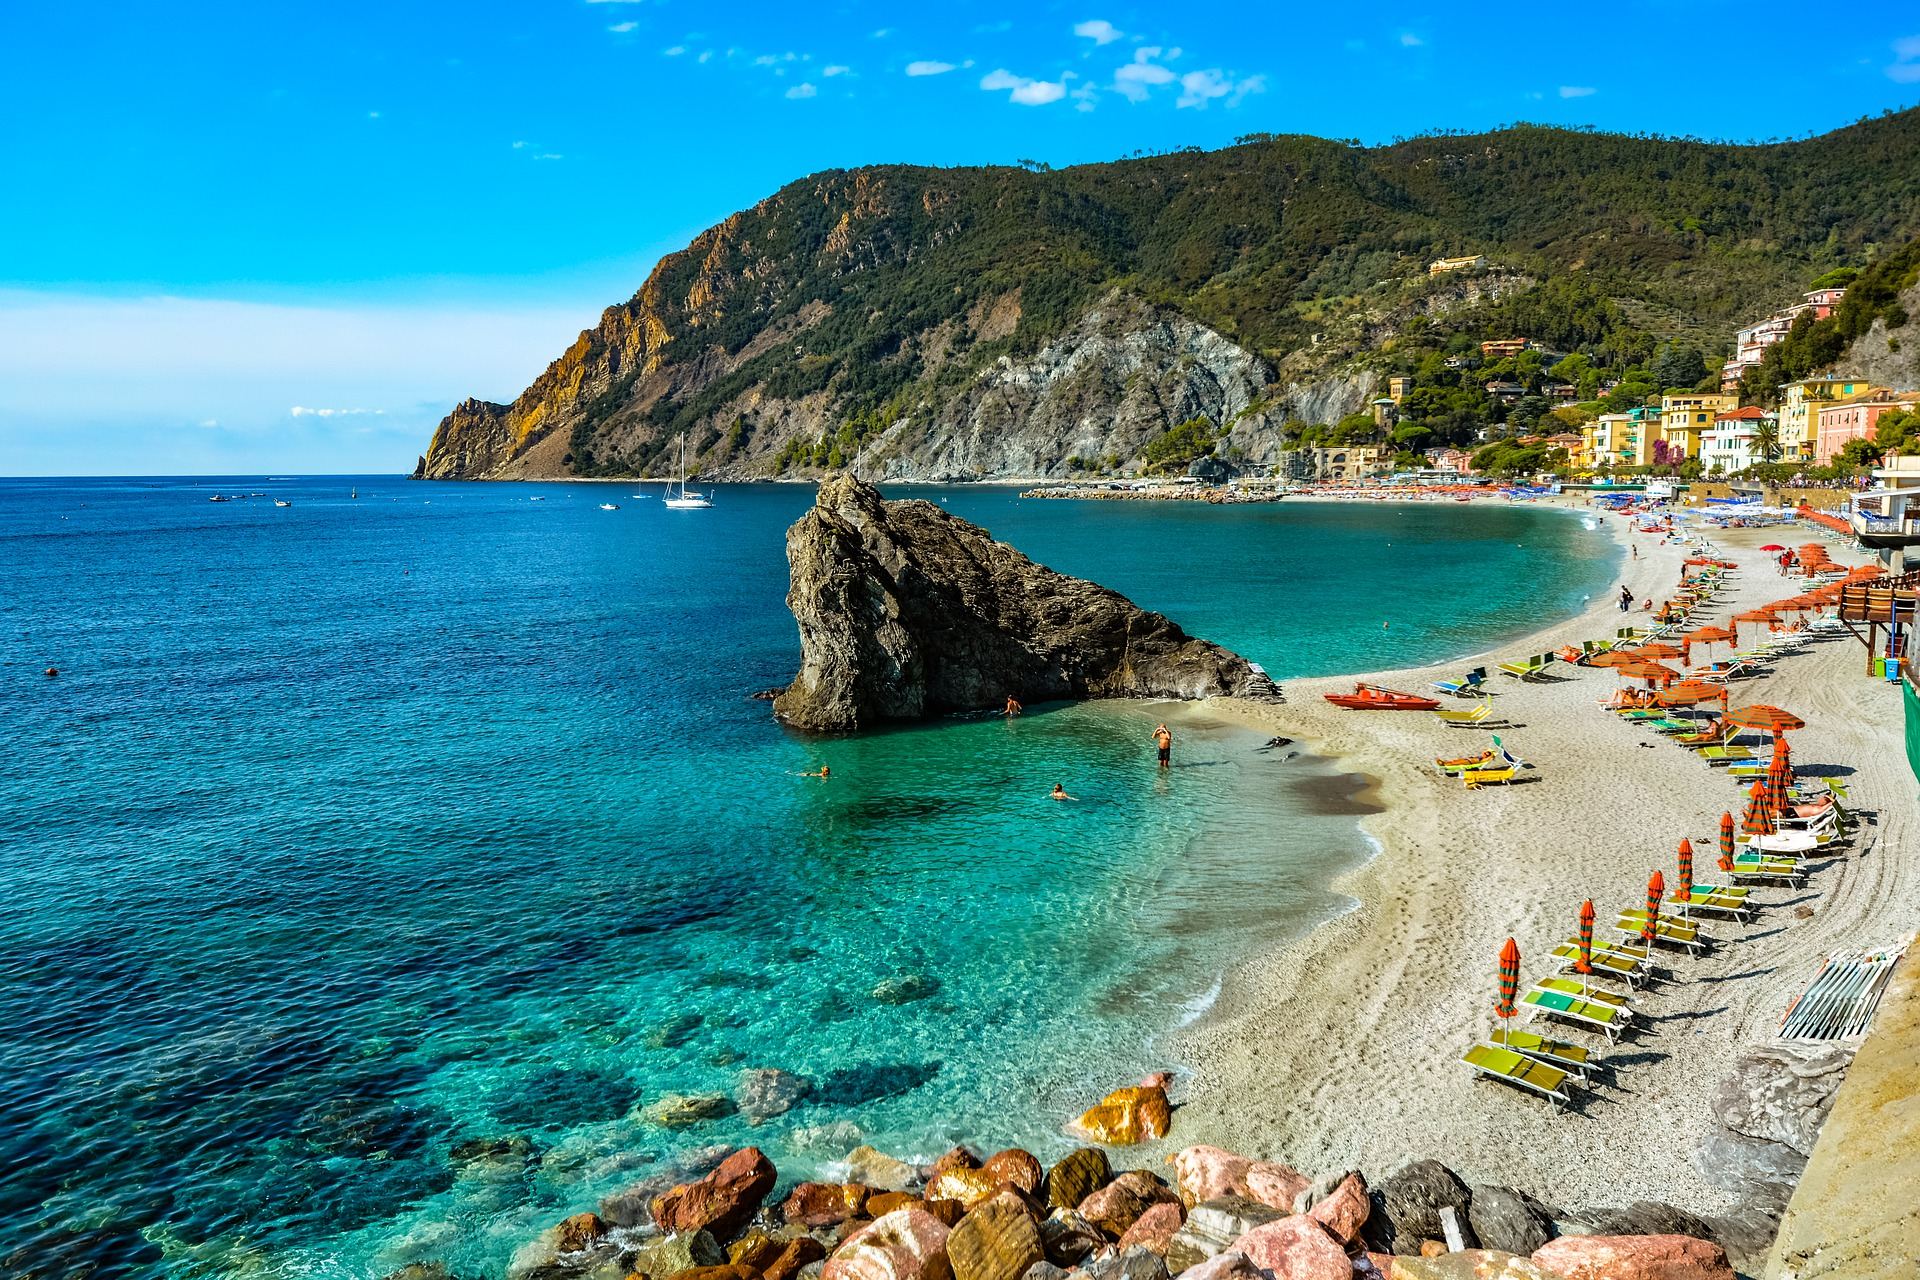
x=209, y=422
x=992, y=28
x=929, y=68
x=1136, y=79
x=836, y=70
x=673, y=51
x=802, y=91
x=1408, y=40
x=299, y=411
x=1025, y=91
x=373, y=115
x=881, y=33
x=1098, y=30
x=1906, y=65
x=706, y=55
x=521, y=146
x=623, y=27
x=1577, y=91
x=1198, y=88
x=1085, y=97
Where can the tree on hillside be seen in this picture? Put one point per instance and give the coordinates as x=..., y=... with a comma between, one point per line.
x=1678, y=367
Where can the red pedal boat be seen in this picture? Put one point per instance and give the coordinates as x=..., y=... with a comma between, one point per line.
x=1371, y=697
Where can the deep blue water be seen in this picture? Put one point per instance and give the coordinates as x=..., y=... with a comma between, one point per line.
x=355, y=830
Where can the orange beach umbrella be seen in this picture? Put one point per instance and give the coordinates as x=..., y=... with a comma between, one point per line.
x=1509, y=980
x=1656, y=889
x=1758, y=819
x=1726, y=841
x=1612, y=658
x=1709, y=635
x=1646, y=669
x=1688, y=692
x=1684, y=890
x=1658, y=650
x=1585, y=963
x=1779, y=779
x=1765, y=718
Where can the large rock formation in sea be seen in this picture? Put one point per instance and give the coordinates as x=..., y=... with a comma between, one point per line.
x=906, y=611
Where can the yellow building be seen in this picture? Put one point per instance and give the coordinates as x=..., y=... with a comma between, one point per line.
x=1800, y=412
x=1609, y=439
x=1684, y=419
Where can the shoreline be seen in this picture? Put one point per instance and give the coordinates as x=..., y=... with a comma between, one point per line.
x=1336, y=1049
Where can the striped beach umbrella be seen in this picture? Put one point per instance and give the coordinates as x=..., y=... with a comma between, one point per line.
x=1726, y=841
x=1505, y=1006
x=1656, y=889
x=1766, y=718
x=1758, y=819
x=1585, y=963
x=1780, y=779
x=1684, y=890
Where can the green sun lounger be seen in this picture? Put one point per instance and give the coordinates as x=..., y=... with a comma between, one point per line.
x=1606, y=964
x=1723, y=755
x=1718, y=899
x=1519, y=1070
x=1574, y=1059
x=1750, y=867
x=1608, y=1019
x=1574, y=987
x=1528, y=668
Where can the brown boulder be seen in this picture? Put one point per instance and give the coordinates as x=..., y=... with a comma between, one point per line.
x=722, y=1201
x=1077, y=1176
x=1230, y=1265
x=754, y=1250
x=581, y=1231
x=1344, y=1212
x=948, y=1211
x=1127, y=1116
x=1295, y=1248
x=998, y=1240
x=1634, y=1258
x=725, y=1271
x=959, y=1158
x=800, y=1251
x=886, y=1202
x=967, y=1185
x=1069, y=1239
x=907, y=1244
x=1153, y=1229
x=878, y=1169
x=1116, y=1206
x=1016, y=1167
x=822, y=1204
x=1276, y=1184
x=1468, y=1264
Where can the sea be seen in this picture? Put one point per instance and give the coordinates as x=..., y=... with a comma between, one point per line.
x=375, y=863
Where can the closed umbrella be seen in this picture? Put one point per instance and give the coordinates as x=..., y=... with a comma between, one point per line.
x=1780, y=779
x=1585, y=963
x=1656, y=889
x=1683, y=892
x=1505, y=1006
x=1726, y=841
x=1758, y=819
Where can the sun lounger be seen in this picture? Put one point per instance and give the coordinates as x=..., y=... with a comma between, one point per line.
x=1608, y=1019
x=1718, y=900
x=1679, y=933
x=1723, y=754
x=1465, y=686
x=1574, y=987
x=1528, y=668
x=1754, y=867
x=1574, y=1059
x=1482, y=713
x=1605, y=964
x=1519, y=1070
x=1477, y=778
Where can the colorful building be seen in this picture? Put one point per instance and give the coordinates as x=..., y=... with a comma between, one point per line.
x=1686, y=418
x=1727, y=447
x=1855, y=419
x=1501, y=348
x=1800, y=407
x=1750, y=344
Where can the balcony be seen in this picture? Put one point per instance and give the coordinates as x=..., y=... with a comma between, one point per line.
x=1884, y=531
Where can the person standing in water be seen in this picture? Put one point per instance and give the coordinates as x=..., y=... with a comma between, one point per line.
x=1163, y=739
x=1013, y=707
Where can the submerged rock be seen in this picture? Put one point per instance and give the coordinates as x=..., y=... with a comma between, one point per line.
x=906, y=988
x=766, y=1092
x=906, y=611
x=679, y=1110
x=674, y=1032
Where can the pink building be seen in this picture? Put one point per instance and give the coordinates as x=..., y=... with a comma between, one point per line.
x=1854, y=420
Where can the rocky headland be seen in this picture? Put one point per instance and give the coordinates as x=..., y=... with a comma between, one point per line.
x=906, y=611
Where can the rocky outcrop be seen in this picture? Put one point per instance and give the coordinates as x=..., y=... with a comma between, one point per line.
x=906, y=611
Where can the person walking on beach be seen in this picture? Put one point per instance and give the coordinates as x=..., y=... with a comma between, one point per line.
x=1626, y=597
x=1013, y=706
x=1163, y=739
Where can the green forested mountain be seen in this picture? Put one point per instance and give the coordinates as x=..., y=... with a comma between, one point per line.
x=976, y=321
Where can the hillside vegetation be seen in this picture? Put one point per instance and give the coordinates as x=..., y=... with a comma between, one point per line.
x=927, y=322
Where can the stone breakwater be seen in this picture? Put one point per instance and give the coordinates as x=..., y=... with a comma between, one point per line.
x=1204, y=1214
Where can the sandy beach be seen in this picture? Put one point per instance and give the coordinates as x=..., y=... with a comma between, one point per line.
x=1340, y=1050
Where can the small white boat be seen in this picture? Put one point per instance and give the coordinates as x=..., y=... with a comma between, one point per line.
x=283, y=502
x=609, y=506
x=681, y=498
x=219, y=497
x=538, y=497
x=354, y=494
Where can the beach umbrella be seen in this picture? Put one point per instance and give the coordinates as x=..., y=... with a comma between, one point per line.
x=1658, y=650
x=1758, y=819
x=1709, y=635
x=1585, y=963
x=1689, y=692
x=1765, y=718
x=1612, y=658
x=1683, y=892
x=1656, y=889
x=1646, y=669
x=1773, y=546
x=1726, y=841
x=1505, y=1006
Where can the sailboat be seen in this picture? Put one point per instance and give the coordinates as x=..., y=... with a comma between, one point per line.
x=680, y=497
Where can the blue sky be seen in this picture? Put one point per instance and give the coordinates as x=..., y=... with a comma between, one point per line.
x=276, y=237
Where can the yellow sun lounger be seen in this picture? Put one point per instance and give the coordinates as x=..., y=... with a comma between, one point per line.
x=1477, y=778
x=1482, y=713
x=1519, y=1070
x=1681, y=933
x=1725, y=900
x=1574, y=1059
x=1574, y=987
x=1606, y=964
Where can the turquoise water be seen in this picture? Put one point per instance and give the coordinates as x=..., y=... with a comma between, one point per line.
x=360, y=829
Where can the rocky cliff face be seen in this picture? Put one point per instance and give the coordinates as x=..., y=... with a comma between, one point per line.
x=906, y=611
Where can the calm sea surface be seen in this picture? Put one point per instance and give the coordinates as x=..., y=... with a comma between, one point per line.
x=363, y=835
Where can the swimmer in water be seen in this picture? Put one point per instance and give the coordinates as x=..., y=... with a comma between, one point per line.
x=1060, y=793
x=822, y=772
